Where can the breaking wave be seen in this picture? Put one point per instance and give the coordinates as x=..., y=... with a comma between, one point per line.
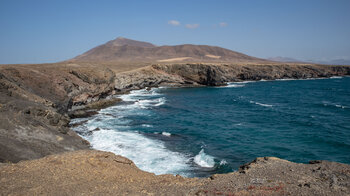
x=204, y=160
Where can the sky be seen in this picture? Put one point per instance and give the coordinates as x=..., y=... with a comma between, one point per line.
x=42, y=31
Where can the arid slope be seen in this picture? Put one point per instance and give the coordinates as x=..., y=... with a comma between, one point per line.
x=101, y=173
x=126, y=50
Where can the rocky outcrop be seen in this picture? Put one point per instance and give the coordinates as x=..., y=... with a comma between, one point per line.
x=219, y=74
x=99, y=173
x=35, y=100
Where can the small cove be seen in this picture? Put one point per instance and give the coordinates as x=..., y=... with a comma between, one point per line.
x=202, y=131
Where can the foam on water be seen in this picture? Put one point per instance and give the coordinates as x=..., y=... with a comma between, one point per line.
x=232, y=85
x=261, y=104
x=149, y=155
x=166, y=134
x=223, y=162
x=146, y=125
x=114, y=134
x=139, y=94
x=326, y=103
x=204, y=160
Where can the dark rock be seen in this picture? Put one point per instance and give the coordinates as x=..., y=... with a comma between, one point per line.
x=82, y=113
x=315, y=161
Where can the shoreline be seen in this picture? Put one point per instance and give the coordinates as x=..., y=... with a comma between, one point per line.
x=105, y=103
x=167, y=134
x=35, y=101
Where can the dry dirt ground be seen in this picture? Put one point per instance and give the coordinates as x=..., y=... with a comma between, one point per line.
x=101, y=173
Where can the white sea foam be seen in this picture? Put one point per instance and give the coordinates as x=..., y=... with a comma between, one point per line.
x=142, y=99
x=261, y=104
x=336, y=77
x=146, y=103
x=232, y=85
x=114, y=136
x=223, y=162
x=166, y=134
x=204, y=160
x=139, y=94
x=326, y=103
x=243, y=82
x=149, y=155
x=286, y=79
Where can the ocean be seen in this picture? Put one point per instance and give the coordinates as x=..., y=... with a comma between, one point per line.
x=196, y=132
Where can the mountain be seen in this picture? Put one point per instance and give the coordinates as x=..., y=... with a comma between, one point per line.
x=121, y=41
x=127, y=50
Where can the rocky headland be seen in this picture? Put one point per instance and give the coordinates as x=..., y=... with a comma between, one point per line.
x=40, y=154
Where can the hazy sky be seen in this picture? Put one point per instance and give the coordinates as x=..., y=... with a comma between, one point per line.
x=38, y=31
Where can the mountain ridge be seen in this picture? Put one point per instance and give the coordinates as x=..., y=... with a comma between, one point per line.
x=127, y=50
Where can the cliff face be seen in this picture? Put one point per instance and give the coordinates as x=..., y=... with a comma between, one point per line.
x=34, y=100
x=196, y=74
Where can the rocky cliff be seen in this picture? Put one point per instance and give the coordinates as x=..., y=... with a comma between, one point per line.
x=34, y=104
x=197, y=74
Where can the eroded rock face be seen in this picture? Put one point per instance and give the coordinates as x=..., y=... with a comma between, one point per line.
x=98, y=173
x=34, y=102
x=197, y=74
x=219, y=74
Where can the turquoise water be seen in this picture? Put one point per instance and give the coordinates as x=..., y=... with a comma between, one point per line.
x=201, y=131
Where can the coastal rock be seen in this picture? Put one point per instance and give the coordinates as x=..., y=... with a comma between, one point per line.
x=91, y=108
x=35, y=100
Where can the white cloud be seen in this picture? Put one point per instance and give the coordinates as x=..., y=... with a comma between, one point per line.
x=222, y=24
x=192, y=26
x=174, y=22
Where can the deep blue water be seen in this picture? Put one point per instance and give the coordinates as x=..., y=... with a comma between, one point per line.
x=201, y=131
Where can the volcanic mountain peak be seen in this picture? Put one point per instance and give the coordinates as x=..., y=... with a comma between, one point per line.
x=126, y=50
x=121, y=41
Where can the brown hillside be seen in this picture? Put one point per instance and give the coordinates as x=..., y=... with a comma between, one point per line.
x=126, y=50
